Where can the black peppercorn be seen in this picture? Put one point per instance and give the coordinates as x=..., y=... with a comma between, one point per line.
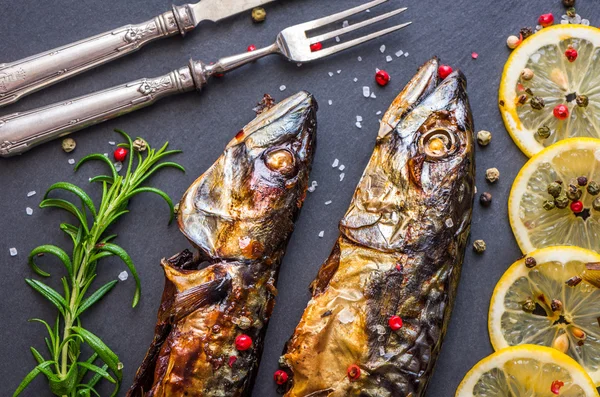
x=582, y=181
x=526, y=32
x=530, y=262
x=568, y=3
x=485, y=199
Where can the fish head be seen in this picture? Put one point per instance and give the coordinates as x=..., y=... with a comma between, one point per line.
x=244, y=206
x=420, y=178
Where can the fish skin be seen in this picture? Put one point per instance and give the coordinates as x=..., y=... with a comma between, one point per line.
x=399, y=252
x=239, y=214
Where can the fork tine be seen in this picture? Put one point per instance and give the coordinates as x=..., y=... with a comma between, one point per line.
x=336, y=17
x=355, y=26
x=343, y=46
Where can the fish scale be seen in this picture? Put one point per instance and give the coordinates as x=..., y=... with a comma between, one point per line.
x=399, y=253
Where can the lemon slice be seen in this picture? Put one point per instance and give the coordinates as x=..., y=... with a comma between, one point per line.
x=557, y=81
x=527, y=371
x=535, y=227
x=521, y=309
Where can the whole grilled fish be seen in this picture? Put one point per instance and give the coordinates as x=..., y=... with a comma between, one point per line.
x=240, y=215
x=382, y=300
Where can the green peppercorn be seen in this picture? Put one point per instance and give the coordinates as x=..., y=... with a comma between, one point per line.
x=582, y=180
x=568, y=3
x=537, y=103
x=259, y=15
x=544, y=132
x=479, y=246
x=562, y=201
x=573, y=192
x=593, y=188
x=528, y=306
x=596, y=204
x=571, y=12
x=554, y=189
x=549, y=205
x=582, y=101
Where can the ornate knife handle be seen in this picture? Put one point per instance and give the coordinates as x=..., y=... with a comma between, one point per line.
x=20, y=132
x=25, y=76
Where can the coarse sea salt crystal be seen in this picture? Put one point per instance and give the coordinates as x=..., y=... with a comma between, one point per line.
x=123, y=275
x=337, y=39
x=358, y=124
x=118, y=166
x=31, y=193
x=346, y=316
x=105, y=154
x=71, y=161
x=366, y=91
x=449, y=223
x=373, y=95
x=339, y=71
x=378, y=112
x=380, y=329
x=336, y=162
x=355, y=79
x=405, y=54
x=29, y=211
x=389, y=58
x=111, y=143
x=299, y=64
x=359, y=118
x=345, y=24
x=382, y=48
x=330, y=74
x=342, y=175
x=282, y=88
x=359, y=59
x=330, y=102
x=585, y=22
x=342, y=167
x=13, y=251
x=399, y=53
x=321, y=233
x=327, y=202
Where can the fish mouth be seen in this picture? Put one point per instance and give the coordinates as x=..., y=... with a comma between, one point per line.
x=245, y=204
x=422, y=164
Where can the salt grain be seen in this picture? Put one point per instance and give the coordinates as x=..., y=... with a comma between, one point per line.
x=585, y=22
x=399, y=53
x=327, y=202
x=355, y=79
x=71, y=161
x=366, y=91
x=337, y=39
x=339, y=71
x=330, y=74
x=359, y=59
x=373, y=95
x=449, y=223
x=389, y=58
x=359, y=118
x=13, y=251
x=111, y=143
x=336, y=162
x=299, y=64
x=342, y=167
x=282, y=88
x=378, y=112
x=346, y=316
x=342, y=175
x=358, y=125
x=321, y=233
x=382, y=48
x=118, y=166
x=405, y=54
x=345, y=24
x=123, y=275
x=330, y=102
x=29, y=211
x=31, y=193
x=105, y=154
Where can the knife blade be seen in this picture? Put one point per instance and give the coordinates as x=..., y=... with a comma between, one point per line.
x=215, y=10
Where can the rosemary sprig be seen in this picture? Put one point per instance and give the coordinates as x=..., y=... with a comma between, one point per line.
x=65, y=372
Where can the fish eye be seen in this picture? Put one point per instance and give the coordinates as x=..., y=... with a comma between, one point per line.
x=437, y=144
x=282, y=161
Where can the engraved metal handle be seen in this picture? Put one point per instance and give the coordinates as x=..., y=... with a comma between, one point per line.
x=20, y=132
x=25, y=76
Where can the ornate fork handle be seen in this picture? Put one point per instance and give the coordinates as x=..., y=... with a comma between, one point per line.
x=19, y=132
x=25, y=76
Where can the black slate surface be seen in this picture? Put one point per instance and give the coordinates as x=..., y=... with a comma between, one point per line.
x=202, y=124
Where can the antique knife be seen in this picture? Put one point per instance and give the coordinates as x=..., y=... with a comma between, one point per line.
x=25, y=76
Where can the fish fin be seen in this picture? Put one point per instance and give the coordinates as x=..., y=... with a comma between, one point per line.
x=326, y=272
x=190, y=300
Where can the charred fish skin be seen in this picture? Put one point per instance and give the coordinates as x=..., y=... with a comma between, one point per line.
x=399, y=253
x=239, y=214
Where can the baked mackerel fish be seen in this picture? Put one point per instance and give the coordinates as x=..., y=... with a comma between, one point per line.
x=240, y=215
x=382, y=300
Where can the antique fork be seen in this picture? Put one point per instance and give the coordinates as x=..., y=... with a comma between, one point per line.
x=20, y=132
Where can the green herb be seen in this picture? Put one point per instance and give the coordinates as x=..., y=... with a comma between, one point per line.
x=65, y=370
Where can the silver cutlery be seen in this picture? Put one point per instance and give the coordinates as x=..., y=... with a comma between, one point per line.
x=20, y=132
x=31, y=74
